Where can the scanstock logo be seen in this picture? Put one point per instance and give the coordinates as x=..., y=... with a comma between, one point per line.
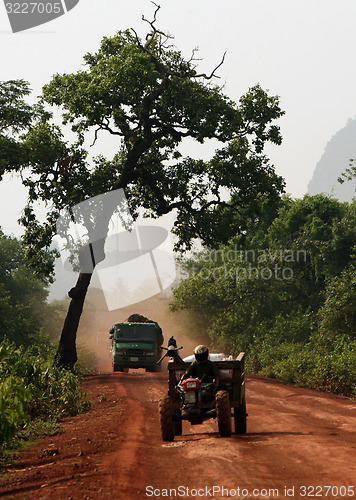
x=25, y=15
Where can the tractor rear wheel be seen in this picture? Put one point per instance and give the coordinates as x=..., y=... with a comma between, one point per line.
x=165, y=418
x=240, y=418
x=222, y=402
x=178, y=427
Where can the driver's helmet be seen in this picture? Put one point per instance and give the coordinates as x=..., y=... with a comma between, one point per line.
x=201, y=353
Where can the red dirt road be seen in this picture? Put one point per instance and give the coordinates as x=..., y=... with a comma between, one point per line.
x=299, y=444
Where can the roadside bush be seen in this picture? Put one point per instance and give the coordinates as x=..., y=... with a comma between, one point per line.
x=286, y=362
x=14, y=400
x=30, y=388
x=338, y=313
x=310, y=365
x=335, y=370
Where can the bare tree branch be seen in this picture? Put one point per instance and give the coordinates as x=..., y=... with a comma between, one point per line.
x=212, y=74
x=192, y=58
x=95, y=136
x=151, y=36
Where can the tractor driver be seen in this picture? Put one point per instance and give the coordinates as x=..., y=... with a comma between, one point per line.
x=202, y=368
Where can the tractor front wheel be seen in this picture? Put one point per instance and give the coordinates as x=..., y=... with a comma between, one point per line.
x=222, y=402
x=165, y=418
x=178, y=427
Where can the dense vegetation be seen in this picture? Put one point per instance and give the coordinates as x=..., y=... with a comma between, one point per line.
x=32, y=391
x=283, y=288
x=22, y=296
x=151, y=100
x=285, y=292
x=33, y=394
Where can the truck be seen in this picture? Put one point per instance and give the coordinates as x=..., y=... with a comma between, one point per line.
x=192, y=400
x=136, y=343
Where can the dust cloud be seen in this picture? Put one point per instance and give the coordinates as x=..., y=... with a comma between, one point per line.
x=93, y=333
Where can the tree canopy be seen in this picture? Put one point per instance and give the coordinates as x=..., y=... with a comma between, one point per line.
x=147, y=95
x=16, y=118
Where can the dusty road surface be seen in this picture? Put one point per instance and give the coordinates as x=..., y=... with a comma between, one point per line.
x=299, y=444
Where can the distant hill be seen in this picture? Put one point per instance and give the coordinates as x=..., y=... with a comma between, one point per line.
x=334, y=161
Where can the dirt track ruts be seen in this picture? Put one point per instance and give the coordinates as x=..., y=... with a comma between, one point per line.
x=295, y=438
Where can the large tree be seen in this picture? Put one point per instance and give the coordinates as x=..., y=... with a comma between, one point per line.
x=144, y=93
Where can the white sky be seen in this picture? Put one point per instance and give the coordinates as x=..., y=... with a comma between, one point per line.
x=303, y=51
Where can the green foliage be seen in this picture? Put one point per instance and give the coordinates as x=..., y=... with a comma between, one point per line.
x=150, y=99
x=310, y=365
x=16, y=117
x=338, y=313
x=322, y=226
x=350, y=173
x=14, y=399
x=30, y=389
x=23, y=295
x=284, y=292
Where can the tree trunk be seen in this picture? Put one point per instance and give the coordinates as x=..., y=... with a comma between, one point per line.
x=90, y=255
x=66, y=355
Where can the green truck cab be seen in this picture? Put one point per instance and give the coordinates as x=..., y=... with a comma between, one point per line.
x=136, y=345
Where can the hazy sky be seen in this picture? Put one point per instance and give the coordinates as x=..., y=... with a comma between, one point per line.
x=303, y=51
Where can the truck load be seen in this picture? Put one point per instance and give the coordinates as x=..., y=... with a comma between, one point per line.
x=136, y=343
